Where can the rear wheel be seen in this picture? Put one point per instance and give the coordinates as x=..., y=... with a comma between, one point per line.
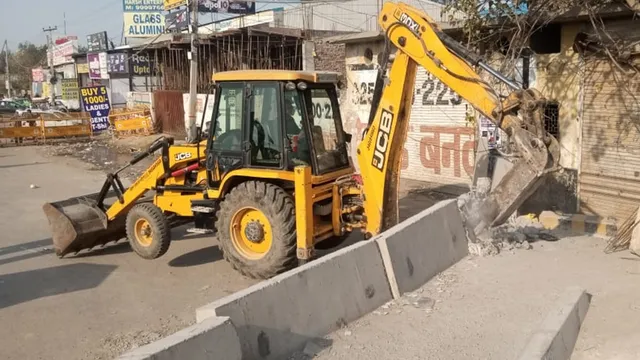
x=148, y=231
x=257, y=229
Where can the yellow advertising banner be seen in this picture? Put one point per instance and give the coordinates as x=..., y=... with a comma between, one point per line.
x=70, y=89
x=82, y=68
x=46, y=89
x=172, y=4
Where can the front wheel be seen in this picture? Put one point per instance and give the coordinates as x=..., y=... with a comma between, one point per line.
x=148, y=231
x=257, y=229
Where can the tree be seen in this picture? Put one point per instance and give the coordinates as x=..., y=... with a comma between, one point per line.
x=503, y=30
x=505, y=26
x=21, y=60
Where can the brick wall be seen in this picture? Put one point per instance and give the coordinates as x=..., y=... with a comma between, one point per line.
x=329, y=57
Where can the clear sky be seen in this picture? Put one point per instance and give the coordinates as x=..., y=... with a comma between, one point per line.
x=23, y=20
x=20, y=21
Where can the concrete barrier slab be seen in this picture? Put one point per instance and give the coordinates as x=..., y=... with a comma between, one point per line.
x=422, y=246
x=279, y=316
x=557, y=336
x=212, y=339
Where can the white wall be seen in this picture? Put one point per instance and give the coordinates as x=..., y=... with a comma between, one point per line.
x=440, y=142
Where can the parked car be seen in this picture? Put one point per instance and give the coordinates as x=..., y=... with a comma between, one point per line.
x=35, y=110
x=20, y=101
x=8, y=107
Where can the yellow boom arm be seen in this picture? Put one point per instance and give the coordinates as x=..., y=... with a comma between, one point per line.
x=420, y=42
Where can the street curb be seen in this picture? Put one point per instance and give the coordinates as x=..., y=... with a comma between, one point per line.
x=578, y=224
x=213, y=339
x=276, y=317
x=557, y=336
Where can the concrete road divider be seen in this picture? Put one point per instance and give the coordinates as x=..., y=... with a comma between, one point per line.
x=422, y=246
x=557, y=336
x=212, y=339
x=276, y=317
x=279, y=316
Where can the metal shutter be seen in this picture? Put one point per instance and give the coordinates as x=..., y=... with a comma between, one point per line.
x=609, y=180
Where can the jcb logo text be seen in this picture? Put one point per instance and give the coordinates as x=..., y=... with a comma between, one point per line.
x=382, y=140
x=183, y=156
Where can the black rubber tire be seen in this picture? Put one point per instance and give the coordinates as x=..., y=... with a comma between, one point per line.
x=279, y=208
x=160, y=230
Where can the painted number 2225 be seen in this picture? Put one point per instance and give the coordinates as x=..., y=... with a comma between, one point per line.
x=439, y=91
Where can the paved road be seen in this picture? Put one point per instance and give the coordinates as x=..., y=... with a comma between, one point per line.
x=95, y=306
x=487, y=308
x=99, y=305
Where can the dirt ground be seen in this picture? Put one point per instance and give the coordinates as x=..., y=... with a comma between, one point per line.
x=488, y=307
x=102, y=303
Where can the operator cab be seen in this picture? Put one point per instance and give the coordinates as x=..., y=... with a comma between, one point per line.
x=277, y=120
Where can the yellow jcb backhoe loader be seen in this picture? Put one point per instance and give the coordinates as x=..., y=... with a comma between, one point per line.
x=272, y=174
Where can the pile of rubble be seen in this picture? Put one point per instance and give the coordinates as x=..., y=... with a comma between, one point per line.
x=100, y=154
x=518, y=233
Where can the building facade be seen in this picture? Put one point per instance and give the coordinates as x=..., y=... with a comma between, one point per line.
x=592, y=110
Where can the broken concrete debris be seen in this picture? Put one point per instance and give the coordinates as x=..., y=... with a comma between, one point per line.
x=101, y=154
x=516, y=234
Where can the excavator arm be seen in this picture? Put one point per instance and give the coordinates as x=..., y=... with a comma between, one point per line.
x=420, y=42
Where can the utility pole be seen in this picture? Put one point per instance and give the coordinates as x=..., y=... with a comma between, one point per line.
x=6, y=64
x=191, y=127
x=49, y=30
x=64, y=16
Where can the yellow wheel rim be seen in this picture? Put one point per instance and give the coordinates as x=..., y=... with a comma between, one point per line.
x=251, y=233
x=144, y=235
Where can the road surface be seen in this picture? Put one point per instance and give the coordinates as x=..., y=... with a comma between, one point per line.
x=100, y=304
x=487, y=308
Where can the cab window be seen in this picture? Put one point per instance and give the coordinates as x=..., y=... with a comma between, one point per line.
x=324, y=122
x=265, y=131
x=227, y=134
x=299, y=150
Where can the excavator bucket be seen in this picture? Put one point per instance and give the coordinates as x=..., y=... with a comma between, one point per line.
x=79, y=223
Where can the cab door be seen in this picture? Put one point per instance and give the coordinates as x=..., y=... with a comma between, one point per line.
x=227, y=146
x=265, y=131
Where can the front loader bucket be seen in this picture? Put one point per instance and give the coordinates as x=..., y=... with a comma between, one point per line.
x=78, y=223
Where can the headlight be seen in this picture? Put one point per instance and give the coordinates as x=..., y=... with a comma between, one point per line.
x=290, y=86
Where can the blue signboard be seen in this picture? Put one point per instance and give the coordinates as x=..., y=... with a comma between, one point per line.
x=95, y=101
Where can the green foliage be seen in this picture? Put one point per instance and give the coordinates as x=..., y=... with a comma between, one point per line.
x=21, y=61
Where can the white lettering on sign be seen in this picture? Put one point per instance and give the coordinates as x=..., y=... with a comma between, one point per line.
x=411, y=24
x=382, y=140
x=143, y=5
